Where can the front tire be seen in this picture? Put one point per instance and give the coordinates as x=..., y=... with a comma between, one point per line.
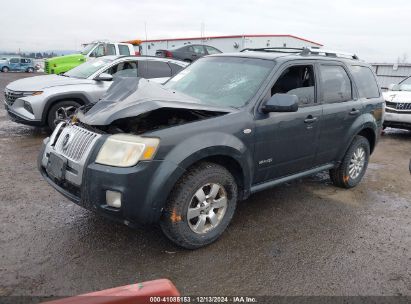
x=61, y=111
x=352, y=169
x=200, y=207
x=5, y=69
x=30, y=70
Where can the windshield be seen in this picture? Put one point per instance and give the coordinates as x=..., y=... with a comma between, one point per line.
x=406, y=85
x=88, y=48
x=222, y=81
x=88, y=68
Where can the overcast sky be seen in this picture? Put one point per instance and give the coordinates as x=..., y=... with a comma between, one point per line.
x=375, y=30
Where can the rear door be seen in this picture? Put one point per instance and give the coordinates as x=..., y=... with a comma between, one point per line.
x=341, y=108
x=286, y=142
x=24, y=64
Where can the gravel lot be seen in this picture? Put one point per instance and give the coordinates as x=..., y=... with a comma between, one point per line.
x=302, y=238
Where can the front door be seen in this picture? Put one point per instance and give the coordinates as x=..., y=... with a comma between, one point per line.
x=286, y=142
x=14, y=64
x=125, y=68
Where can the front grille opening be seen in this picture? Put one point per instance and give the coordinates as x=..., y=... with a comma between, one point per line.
x=11, y=96
x=74, y=142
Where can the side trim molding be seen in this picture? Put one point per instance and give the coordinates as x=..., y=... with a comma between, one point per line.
x=272, y=183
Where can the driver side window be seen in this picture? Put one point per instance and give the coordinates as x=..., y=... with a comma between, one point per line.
x=297, y=80
x=123, y=69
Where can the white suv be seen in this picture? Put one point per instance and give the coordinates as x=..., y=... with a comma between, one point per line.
x=398, y=105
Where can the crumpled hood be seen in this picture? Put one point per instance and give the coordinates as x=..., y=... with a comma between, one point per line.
x=130, y=97
x=38, y=83
x=397, y=96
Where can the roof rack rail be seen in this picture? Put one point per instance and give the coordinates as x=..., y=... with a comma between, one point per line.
x=328, y=53
x=275, y=50
x=304, y=51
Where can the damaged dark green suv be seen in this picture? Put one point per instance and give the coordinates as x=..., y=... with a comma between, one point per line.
x=227, y=126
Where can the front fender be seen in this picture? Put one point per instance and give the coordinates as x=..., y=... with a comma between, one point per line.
x=195, y=149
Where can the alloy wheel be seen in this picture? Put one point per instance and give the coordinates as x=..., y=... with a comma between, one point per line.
x=64, y=113
x=357, y=163
x=207, y=208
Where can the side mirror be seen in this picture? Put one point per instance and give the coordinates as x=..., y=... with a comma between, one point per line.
x=281, y=103
x=394, y=87
x=104, y=77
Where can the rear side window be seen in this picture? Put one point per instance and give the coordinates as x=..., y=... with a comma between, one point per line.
x=365, y=81
x=198, y=49
x=156, y=69
x=110, y=49
x=335, y=84
x=123, y=49
x=211, y=50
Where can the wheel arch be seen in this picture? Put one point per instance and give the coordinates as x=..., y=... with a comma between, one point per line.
x=370, y=135
x=78, y=97
x=169, y=174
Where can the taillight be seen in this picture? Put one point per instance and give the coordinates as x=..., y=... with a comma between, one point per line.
x=137, y=53
x=168, y=54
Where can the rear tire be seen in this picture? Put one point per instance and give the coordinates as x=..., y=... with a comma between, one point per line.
x=61, y=111
x=30, y=70
x=5, y=69
x=352, y=169
x=200, y=207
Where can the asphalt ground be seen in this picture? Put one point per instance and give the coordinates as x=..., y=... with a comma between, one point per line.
x=306, y=237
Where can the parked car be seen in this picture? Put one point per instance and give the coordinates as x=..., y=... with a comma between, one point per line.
x=47, y=99
x=188, y=53
x=184, y=153
x=17, y=64
x=62, y=64
x=398, y=105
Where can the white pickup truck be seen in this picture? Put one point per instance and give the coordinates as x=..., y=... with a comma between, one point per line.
x=62, y=64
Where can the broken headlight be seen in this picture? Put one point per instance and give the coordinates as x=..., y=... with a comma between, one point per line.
x=124, y=150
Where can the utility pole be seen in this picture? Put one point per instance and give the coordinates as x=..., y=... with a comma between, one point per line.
x=202, y=32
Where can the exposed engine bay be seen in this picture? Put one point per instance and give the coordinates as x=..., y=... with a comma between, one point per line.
x=156, y=120
x=138, y=106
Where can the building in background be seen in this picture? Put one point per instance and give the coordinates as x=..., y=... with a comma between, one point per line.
x=391, y=73
x=226, y=43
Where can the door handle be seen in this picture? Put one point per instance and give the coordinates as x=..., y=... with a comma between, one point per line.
x=354, y=112
x=310, y=119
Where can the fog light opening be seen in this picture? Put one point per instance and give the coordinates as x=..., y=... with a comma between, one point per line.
x=113, y=199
